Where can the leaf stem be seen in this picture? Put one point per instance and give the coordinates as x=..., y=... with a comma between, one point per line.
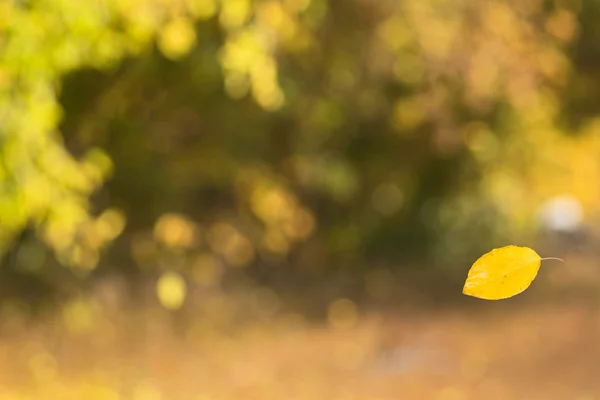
x=552, y=258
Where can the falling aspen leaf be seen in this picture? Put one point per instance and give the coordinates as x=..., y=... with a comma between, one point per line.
x=503, y=273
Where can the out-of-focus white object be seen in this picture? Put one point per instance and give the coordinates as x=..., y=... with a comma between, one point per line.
x=561, y=213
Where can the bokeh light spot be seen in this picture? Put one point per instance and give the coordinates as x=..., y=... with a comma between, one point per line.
x=387, y=199
x=80, y=316
x=176, y=231
x=342, y=314
x=171, y=290
x=177, y=38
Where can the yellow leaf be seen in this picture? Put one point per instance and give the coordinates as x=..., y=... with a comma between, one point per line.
x=503, y=273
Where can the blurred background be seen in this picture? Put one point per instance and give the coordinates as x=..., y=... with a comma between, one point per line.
x=280, y=199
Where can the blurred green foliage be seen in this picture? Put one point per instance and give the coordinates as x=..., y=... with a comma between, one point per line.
x=319, y=134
